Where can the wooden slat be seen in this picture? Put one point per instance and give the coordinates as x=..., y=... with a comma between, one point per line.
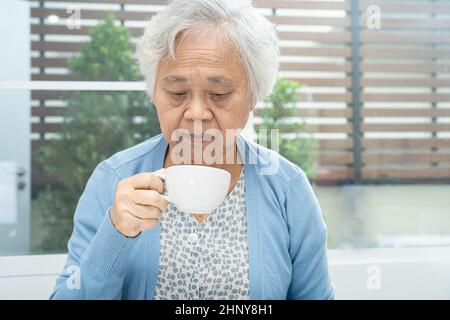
x=405, y=173
x=317, y=52
x=324, y=67
x=45, y=127
x=309, y=112
x=341, y=158
x=310, y=21
x=333, y=144
x=410, y=23
x=412, y=37
x=404, y=97
x=54, y=127
x=405, y=83
x=326, y=175
x=48, y=111
x=60, y=111
x=378, y=112
x=405, y=143
x=49, y=62
x=58, y=46
x=404, y=68
x=405, y=158
x=305, y=5
x=402, y=127
x=329, y=128
x=322, y=82
x=405, y=53
x=36, y=144
x=326, y=97
x=387, y=6
x=47, y=95
x=332, y=37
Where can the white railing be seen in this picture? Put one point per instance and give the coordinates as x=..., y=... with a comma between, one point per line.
x=399, y=273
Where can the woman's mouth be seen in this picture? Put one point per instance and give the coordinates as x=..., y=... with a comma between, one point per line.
x=200, y=138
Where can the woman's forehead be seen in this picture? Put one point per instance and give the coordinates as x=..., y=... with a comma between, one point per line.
x=203, y=48
x=201, y=58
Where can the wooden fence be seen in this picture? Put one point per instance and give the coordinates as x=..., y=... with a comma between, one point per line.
x=376, y=93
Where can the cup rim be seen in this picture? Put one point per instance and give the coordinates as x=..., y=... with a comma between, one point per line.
x=203, y=166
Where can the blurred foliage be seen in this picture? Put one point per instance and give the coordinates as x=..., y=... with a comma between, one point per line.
x=97, y=125
x=279, y=107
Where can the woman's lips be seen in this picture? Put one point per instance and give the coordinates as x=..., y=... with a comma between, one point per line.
x=200, y=138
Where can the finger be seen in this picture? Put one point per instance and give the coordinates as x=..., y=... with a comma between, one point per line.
x=144, y=212
x=161, y=173
x=148, y=198
x=148, y=224
x=147, y=180
x=142, y=225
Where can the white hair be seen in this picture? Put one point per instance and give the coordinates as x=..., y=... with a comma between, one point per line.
x=236, y=21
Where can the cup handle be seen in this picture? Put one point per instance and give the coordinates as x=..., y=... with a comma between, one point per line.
x=162, y=174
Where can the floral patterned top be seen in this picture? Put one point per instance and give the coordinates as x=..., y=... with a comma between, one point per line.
x=207, y=260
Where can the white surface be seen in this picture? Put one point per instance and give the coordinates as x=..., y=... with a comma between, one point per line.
x=8, y=192
x=409, y=273
x=15, y=117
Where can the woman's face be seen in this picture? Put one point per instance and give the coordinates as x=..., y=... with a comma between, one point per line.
x=205, y=85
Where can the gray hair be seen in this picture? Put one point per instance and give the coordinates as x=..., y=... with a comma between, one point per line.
x=236, y=21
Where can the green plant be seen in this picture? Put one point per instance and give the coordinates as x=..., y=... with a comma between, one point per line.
x=96, y=125
x=280, y=106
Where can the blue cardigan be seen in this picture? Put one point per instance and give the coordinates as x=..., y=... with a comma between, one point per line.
x=286, y=232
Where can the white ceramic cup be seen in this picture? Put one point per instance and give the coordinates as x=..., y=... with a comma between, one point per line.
x=194, y=188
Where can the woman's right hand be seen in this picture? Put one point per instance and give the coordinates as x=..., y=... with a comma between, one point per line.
x=138, y=203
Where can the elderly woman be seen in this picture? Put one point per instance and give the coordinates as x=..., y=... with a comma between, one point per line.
x=208, y=62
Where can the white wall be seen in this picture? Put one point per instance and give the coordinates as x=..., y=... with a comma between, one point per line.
x=416, y=273
x=15, y=125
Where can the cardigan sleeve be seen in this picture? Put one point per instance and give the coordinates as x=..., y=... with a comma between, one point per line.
x=308, y=243
x=97, y=252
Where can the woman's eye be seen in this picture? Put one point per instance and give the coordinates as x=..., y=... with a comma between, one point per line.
x=219, y=96
x=178, y=94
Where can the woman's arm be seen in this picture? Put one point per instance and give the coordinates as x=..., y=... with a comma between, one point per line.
x=308, y=243
x=98, y=253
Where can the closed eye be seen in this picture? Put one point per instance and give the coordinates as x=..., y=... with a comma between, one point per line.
x=178, y=94
x=219, y=96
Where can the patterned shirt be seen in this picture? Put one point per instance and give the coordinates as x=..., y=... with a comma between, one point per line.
x=207, y=260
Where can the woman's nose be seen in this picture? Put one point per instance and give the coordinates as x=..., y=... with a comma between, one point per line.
x=198, y=111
